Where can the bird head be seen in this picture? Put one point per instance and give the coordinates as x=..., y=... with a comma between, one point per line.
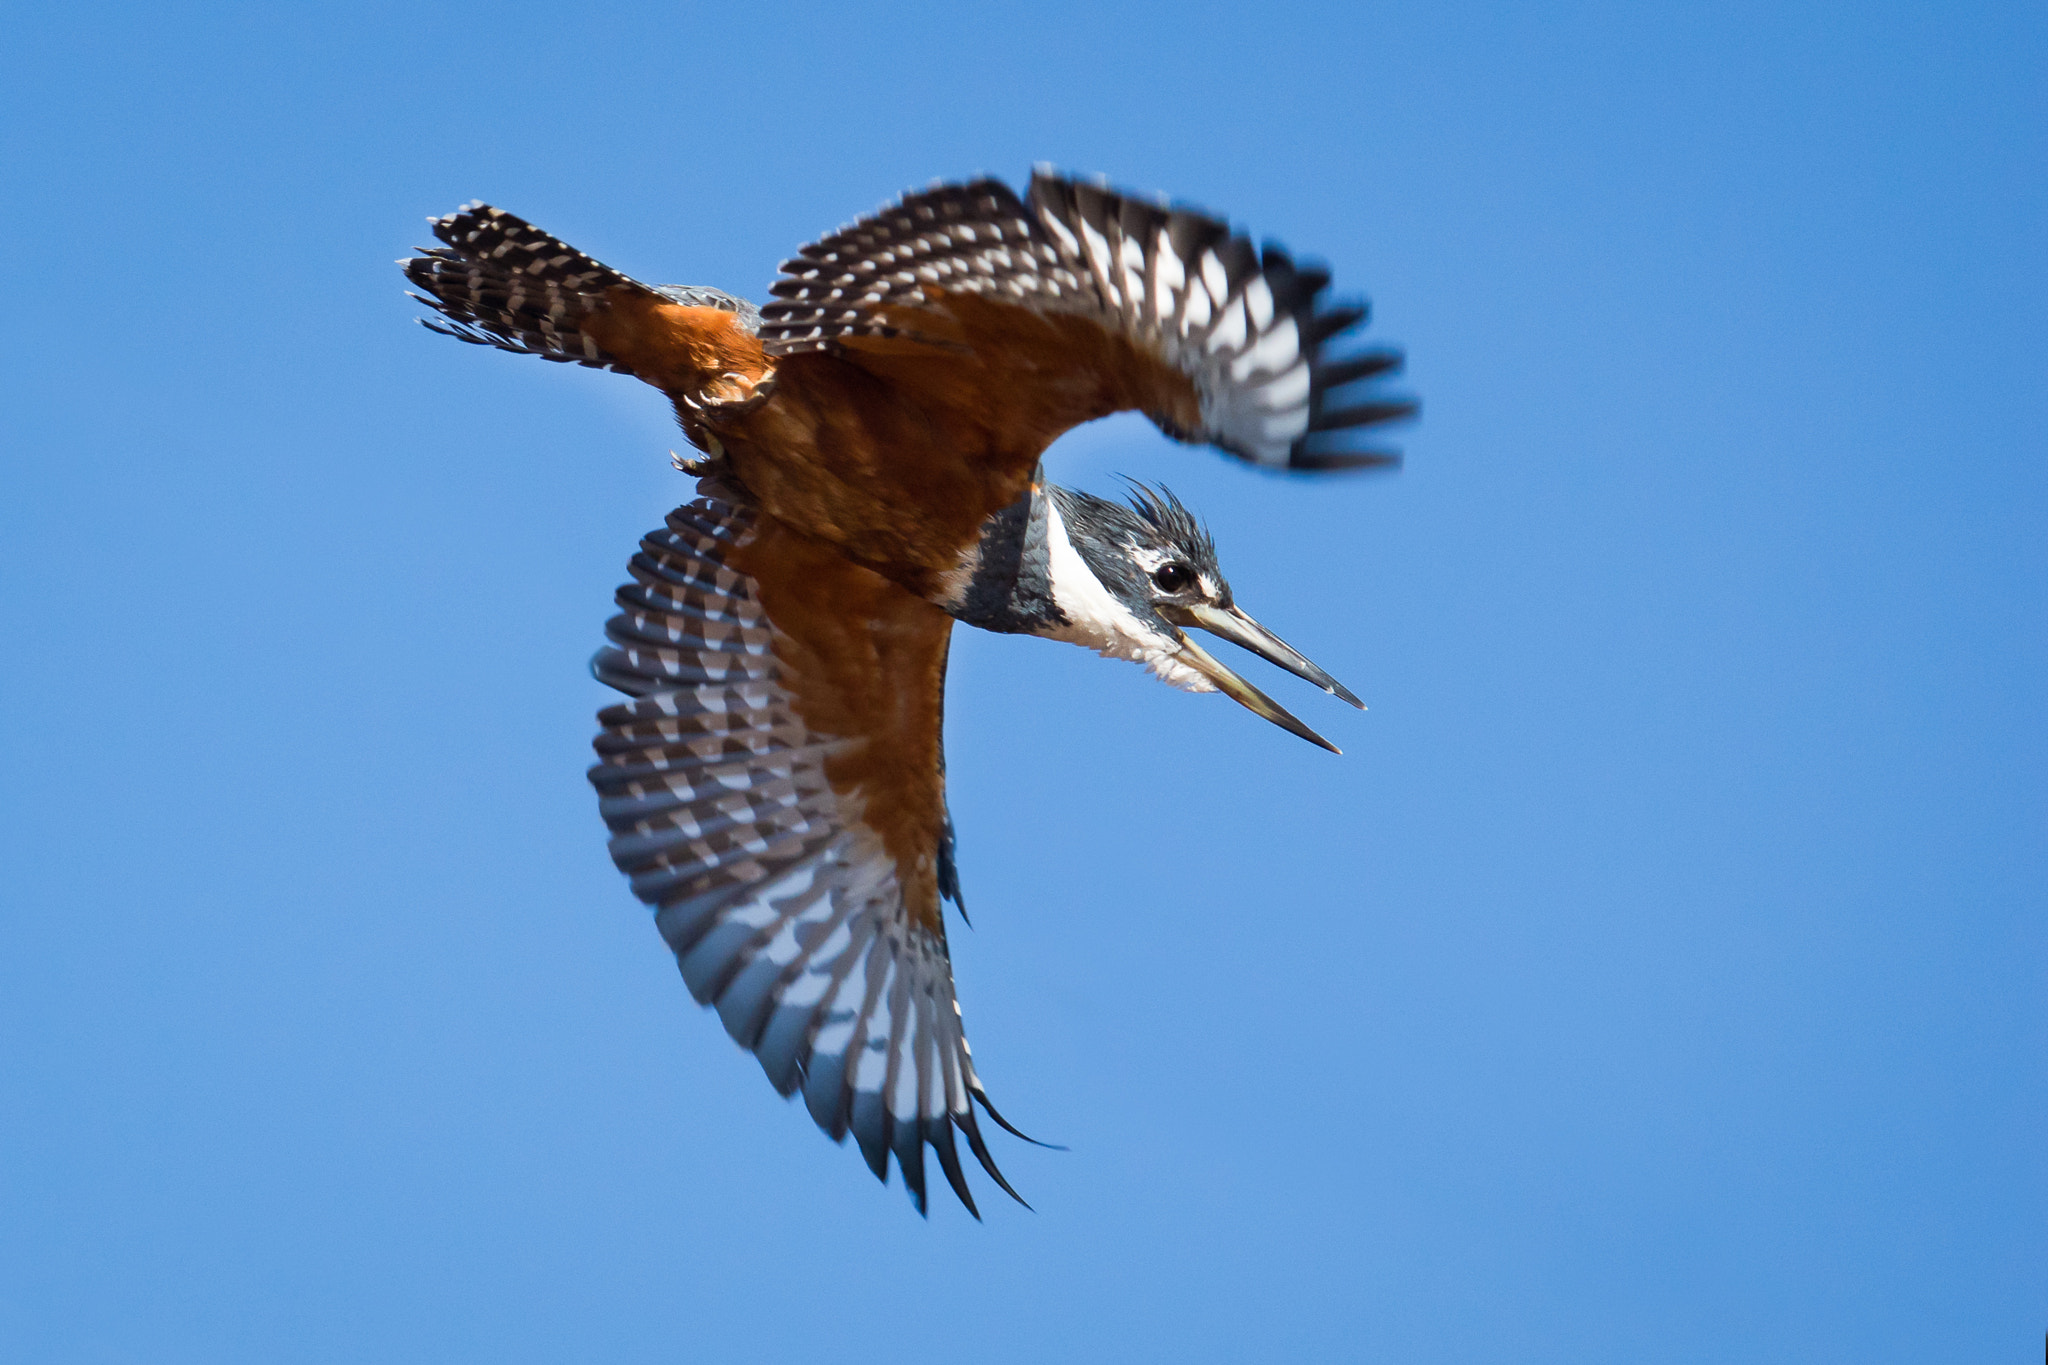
x=1131, y=580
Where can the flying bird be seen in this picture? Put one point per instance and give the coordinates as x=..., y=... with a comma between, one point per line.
x=774, y=782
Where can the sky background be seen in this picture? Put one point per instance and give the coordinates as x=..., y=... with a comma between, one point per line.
x=1659, y=976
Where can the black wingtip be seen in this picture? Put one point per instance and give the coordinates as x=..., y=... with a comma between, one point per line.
x=1335, y=373
x=1366, y=415
x=1012, y=1129
x=1334, y=321
x=975, y=1143
x=907, y=1141
x=868, y=1121
x=1342, y=461
x=949, y=1162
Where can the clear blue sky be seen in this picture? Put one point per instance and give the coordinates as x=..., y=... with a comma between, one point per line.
x=1659, y=976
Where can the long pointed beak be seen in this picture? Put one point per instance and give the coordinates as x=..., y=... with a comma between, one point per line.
x=1234, y=626
x=1253, y=700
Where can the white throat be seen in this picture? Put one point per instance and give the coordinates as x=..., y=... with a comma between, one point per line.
x=1098, y=621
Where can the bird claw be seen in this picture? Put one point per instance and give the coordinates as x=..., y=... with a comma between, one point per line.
x=696, y=468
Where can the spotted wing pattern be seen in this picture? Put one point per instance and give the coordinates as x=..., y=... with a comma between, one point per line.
x=1249, y=330
x=731, y=814
x=977, y=238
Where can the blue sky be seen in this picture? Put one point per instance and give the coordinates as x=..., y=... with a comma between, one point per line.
x=1658, y=976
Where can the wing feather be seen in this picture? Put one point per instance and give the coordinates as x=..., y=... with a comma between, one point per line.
x=1217, y=341
x=769, y=806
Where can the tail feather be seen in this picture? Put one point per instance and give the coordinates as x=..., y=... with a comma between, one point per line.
x=500, y=281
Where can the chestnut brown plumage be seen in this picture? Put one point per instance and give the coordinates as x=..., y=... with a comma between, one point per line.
x=775, y=782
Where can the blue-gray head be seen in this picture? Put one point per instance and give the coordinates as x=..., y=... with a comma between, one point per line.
x=1130, y=580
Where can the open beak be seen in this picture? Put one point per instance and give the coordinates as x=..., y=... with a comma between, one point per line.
x=1234, y=626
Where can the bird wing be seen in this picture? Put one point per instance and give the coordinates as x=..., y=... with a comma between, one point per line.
x=775, y=790
x=1013, y=320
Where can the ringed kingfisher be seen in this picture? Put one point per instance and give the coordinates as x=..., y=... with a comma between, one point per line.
x=774, y=782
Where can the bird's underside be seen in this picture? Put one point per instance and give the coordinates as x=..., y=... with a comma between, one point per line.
x=775, y=783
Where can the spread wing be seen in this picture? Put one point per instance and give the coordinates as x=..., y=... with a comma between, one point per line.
x=775, y=790
x=1011, y=316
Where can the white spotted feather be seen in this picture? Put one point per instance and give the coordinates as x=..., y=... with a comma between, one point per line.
x=783, y=912
x=1247, y=328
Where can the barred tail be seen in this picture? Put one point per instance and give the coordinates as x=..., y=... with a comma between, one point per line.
x=502, y=282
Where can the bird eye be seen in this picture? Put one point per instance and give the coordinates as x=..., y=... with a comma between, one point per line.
x=1172, y=577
